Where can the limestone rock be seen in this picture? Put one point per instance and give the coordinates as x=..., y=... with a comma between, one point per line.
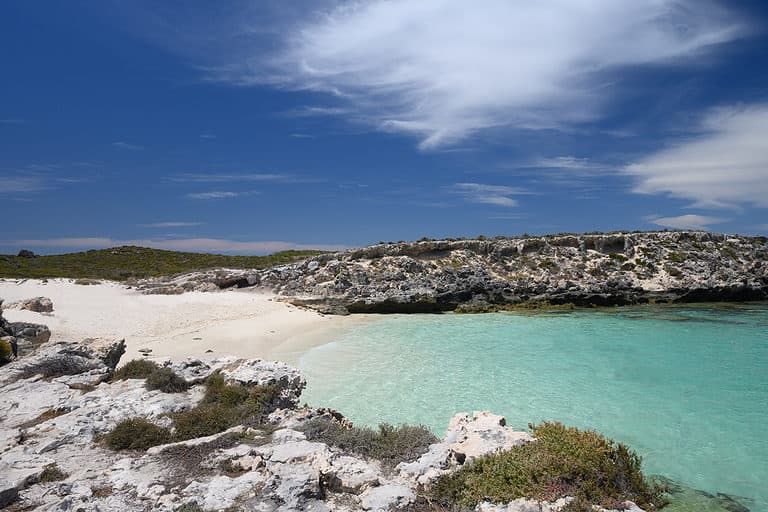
x=466, y=439
x=443, y=275
x=35, y=304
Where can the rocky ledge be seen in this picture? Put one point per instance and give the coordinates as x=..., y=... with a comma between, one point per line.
x=484, y=274
x=60, y=402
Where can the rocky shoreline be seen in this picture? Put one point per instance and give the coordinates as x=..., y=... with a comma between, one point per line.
x=486, y=274
x=60, y=402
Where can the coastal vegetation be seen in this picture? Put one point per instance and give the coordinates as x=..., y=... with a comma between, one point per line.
x=122, y=263
x=389, y=444
x=562, y=462
x=224, y=405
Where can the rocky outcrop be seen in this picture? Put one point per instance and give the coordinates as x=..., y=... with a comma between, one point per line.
x=58, y=402
x=35, y=304
x=445, y=275
x=22, y=336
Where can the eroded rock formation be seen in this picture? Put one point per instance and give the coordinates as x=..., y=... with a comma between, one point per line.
x=445, y=275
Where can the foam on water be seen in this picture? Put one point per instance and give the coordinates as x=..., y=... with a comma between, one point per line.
x=685, y=387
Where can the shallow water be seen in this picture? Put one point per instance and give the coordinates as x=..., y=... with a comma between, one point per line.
x=686, y=387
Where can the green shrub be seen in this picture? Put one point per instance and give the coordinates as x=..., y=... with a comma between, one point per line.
x=137, y=434
x=135, y=369
x=6, y=352
x=677, y=257
x=204, y=420
x=563, y=461
x=166, y=381
x=51, y=473
x=391, y=445
x=223, y=406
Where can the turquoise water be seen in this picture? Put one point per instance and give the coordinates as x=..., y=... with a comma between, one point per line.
x=687, y=388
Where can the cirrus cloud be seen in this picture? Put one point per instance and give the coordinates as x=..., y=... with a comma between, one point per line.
x=723, y=166
x=700, y=222
x=444, y=69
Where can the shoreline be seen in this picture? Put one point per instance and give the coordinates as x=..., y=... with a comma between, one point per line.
x=242, y=323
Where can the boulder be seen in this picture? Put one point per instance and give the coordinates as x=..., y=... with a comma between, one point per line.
x=35, y=304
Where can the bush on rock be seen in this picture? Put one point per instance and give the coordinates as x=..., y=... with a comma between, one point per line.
x=563, y=461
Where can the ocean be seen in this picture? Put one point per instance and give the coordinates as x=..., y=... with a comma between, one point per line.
x=685, y=386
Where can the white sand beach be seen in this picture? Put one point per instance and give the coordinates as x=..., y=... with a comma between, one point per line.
x=236, y=322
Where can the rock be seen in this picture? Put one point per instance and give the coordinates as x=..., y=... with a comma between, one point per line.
x=26, y=253
x=485, y=433
x=34, y=334
x=383, y=498
x=445, y=275
x=465, y=440
x=353, y=475
x=35, y=304
x=524, y=505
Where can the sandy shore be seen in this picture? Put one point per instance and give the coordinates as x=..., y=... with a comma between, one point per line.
x=238, y=322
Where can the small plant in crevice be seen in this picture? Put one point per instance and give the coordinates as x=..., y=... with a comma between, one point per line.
x=135, y=369
x=51, y=473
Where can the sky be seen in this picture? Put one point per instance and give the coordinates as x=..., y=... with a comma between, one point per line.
x=255, y=126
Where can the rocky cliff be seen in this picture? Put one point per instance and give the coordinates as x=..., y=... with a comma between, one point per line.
x=445, y=275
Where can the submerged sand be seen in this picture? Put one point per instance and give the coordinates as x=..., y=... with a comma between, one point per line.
x=243, y=323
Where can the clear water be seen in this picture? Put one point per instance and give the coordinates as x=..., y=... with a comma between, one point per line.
x=687, y=388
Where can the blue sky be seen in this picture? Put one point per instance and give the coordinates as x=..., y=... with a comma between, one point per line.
x=249, y=127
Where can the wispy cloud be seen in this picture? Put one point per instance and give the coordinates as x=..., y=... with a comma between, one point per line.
x=171, y=224
x=444, y=69
x=563, y=162
x=207, y=136
x=701, y=222
x=216, y=194
x=229, y=178
x=32, y=178
x=129, y=147
x=187, y=244
x=497, y=195
x=21, y=184
x=725, y=165
x=317, y=111
x=13, y=121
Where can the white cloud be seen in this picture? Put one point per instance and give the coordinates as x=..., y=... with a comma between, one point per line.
x=20, y=184
x=687, y=221
x=125, y=145
x=216, y=194
x=444, y=69
x=725, y=166
x=188, y=244
x=563, y=162
x=171, y=224
x=226, y=178
x=488, y=194
x=207, y=136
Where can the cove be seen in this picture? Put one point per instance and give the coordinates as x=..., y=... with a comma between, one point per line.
x=686, y=387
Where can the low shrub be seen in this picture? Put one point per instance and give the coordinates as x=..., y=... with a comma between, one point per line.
x=391, y=445
x=166, y=381
x=223, y=406
x=57, y=366
x=137, y=434
x=51, y=473
x=6, y=352
x=204, y=420
x=135, y=369
x=563, y=461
